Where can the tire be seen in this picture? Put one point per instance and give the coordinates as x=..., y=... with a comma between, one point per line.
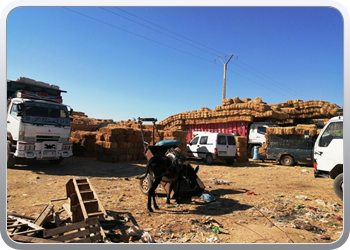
x=145, y=184
x=11, y=160
x=252, y=152
x=57, y=161
x=209, y=159
x=338, y=186
x=287, y=160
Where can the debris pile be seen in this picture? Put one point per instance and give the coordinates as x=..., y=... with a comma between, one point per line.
x=81, y=220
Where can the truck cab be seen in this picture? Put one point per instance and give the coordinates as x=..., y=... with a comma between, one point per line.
x=38, y=127
x=256, y=136
x=328, y=154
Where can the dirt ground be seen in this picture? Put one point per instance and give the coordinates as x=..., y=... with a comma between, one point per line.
x=255, y=202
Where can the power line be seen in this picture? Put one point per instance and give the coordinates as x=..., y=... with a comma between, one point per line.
x=288, y=89
x=114, y=26
x=285, y=88
x=155, y=30
x=169, y=31
x=111, y=25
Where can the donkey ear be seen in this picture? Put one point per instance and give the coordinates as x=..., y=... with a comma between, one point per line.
x=196, y=169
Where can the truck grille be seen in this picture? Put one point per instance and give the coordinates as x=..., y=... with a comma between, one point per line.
x=47, y=138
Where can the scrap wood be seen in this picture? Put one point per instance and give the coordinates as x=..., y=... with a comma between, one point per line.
x=86, y=231
x=29, y=239
x=43, y=215
x=20, y=215
x=19, y=224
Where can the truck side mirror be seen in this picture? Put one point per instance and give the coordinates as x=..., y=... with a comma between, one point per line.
x=20, y=107
x=306, y=134
x=71, y=112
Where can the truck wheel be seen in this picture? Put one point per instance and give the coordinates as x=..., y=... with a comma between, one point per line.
x=287, y=160
x=146, y=184
x=11, y=160
x=209, y=159
x=251, y=152
x=338, y=186
x=57, y=161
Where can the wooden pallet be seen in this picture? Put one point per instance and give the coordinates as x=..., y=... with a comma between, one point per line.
x=86, y=231
x=84, y=202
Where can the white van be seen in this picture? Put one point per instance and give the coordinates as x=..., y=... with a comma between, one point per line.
x=328, y=154
x=211, y=146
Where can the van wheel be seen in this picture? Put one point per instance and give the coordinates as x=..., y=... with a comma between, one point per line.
x=209, y=159
x=338, y=186
x=287, y=160
x=11, y=160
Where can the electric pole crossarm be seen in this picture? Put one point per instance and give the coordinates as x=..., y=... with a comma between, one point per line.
x=225, y=68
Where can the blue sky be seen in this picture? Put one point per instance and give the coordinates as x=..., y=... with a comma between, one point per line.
x=126, y=62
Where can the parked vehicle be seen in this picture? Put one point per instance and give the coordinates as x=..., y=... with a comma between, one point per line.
x=328, y=154
x=290, y=149
x=38, y=124
x=211, y=146
x=253, y=132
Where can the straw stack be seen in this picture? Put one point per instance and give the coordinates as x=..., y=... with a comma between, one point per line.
x=242, y=155
x=247, y=110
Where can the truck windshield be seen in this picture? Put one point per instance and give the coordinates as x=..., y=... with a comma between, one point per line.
x=333, y=131
x=42, y=113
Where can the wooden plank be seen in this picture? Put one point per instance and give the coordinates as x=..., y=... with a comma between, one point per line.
x=21, y=216
x=86, y=240
x=67, y=209
x=26, y=232
x=60, y=230
x=96, y=238
x=70, y=236
x=64, y=229
x=29, y=239
x=32, y=225
x=39, y=221
x=17, y=225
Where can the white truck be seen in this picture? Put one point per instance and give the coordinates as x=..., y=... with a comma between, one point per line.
x=256, y=135
x=38, y=124
x=328, y=154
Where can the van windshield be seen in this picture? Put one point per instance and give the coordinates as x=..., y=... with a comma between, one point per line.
x=43, y=113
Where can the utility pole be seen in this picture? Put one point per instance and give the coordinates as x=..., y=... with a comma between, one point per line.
x=225, y=68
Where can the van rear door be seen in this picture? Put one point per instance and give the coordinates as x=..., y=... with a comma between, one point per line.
x=226, y=145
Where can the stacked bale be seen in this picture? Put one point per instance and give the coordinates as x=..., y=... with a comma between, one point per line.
x=242, y=155
x=83, y=143
x=248, y=110
x=115, y=143
x=80, y=121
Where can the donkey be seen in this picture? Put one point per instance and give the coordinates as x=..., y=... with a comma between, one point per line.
x=162, y=168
